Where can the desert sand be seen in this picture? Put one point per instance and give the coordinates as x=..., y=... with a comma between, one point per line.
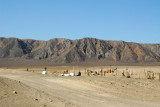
x=21, y=88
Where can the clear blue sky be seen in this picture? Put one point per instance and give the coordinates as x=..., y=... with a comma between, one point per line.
x=128, y=20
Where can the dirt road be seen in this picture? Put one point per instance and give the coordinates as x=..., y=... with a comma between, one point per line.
x=82, y=91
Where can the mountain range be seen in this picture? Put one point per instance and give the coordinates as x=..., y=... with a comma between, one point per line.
x=65, y=51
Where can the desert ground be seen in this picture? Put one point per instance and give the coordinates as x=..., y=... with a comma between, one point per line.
x=22, y=88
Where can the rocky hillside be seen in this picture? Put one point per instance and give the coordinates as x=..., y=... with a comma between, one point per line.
x=81, y=50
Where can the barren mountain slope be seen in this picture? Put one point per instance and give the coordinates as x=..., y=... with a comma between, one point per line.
x=81, y=50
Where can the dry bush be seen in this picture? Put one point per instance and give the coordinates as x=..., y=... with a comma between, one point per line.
x=54, y=72
x=150, y=75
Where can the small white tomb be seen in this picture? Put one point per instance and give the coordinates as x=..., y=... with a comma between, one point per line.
x=44, y=72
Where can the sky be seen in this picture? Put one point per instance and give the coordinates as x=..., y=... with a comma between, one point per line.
x=127, y=20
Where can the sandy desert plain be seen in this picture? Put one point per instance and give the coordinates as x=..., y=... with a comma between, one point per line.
x=22, y=88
